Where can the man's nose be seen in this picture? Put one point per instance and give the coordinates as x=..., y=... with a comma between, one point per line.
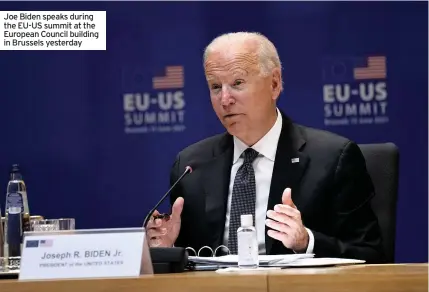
x=226, y=97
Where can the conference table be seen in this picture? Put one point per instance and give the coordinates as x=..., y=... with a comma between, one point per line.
x=377, y=278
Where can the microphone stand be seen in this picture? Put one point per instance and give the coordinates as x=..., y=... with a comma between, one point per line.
x=146, y=220
x=168, y=259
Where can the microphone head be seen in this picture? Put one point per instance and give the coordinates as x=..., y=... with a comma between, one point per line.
x=189, y=169
x=193, y=164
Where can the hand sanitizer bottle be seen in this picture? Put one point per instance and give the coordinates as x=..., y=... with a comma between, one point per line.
x=247, y=243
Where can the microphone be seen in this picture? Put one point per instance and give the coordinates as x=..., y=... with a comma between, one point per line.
x=188, y=170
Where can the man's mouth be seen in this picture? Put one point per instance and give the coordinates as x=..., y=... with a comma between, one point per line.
x=230, y=115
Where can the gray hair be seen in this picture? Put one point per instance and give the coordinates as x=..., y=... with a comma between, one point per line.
x=268, y=56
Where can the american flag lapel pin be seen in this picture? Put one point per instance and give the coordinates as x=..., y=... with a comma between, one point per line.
x=295, y=160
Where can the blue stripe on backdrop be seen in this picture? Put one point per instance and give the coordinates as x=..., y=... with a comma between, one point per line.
x=64, y=117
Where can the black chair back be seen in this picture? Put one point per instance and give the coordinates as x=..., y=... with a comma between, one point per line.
x=382, y=162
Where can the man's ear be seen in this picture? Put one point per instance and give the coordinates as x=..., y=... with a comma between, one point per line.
x=276, y=83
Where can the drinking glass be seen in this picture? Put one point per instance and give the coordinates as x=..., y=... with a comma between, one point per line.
x=66, y=224
x=45, y=225
x=53, y=224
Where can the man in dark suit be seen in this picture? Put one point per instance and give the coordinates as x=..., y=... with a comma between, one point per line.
x=308, y=190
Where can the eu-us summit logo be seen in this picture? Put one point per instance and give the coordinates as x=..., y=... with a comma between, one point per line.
x=355, y=91
x=158, y=107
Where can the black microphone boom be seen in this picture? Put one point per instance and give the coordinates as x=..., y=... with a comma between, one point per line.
x=188, y=169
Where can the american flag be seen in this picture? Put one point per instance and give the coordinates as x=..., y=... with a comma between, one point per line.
x=46, y=243
x=376, y=69
x=174, y=78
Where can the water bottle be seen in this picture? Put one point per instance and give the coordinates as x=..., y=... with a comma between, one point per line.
x=17, y=214
x=1, y=235
x=247, y=243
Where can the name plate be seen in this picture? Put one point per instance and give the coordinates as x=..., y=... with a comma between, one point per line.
x=78, y=254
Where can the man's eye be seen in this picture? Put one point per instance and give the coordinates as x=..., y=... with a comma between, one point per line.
x=238, y=82
x=215, y=86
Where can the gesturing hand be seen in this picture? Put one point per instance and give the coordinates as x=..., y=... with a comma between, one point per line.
x=287, y=225
x=164, y=232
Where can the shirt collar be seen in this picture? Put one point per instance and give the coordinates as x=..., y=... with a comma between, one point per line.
x=267, y=146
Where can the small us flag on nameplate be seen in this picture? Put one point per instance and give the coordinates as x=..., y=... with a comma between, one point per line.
x=46, y=243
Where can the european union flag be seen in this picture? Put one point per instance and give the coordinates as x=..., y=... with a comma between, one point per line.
x=340, y=69
x=135, y=78
x=32, y=243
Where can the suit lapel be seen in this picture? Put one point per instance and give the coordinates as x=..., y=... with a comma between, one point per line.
x=289, y=167
x=216, y=183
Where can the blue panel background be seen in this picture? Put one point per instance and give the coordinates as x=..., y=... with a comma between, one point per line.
x=62, y=117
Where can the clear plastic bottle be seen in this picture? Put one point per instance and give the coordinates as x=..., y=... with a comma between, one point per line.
x=1, y=235
x=17, y=214
x=247, y=243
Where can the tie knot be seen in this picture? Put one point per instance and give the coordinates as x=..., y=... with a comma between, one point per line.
x=250, y=155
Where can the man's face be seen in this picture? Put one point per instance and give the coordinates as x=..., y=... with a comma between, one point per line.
x=241, y=98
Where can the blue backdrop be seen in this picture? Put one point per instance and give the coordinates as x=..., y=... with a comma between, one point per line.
x=96, y=137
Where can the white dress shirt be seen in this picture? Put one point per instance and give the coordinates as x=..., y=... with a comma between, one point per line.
x=263, y=166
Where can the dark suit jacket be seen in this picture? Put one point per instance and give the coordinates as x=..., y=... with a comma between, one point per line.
x=330, y=187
